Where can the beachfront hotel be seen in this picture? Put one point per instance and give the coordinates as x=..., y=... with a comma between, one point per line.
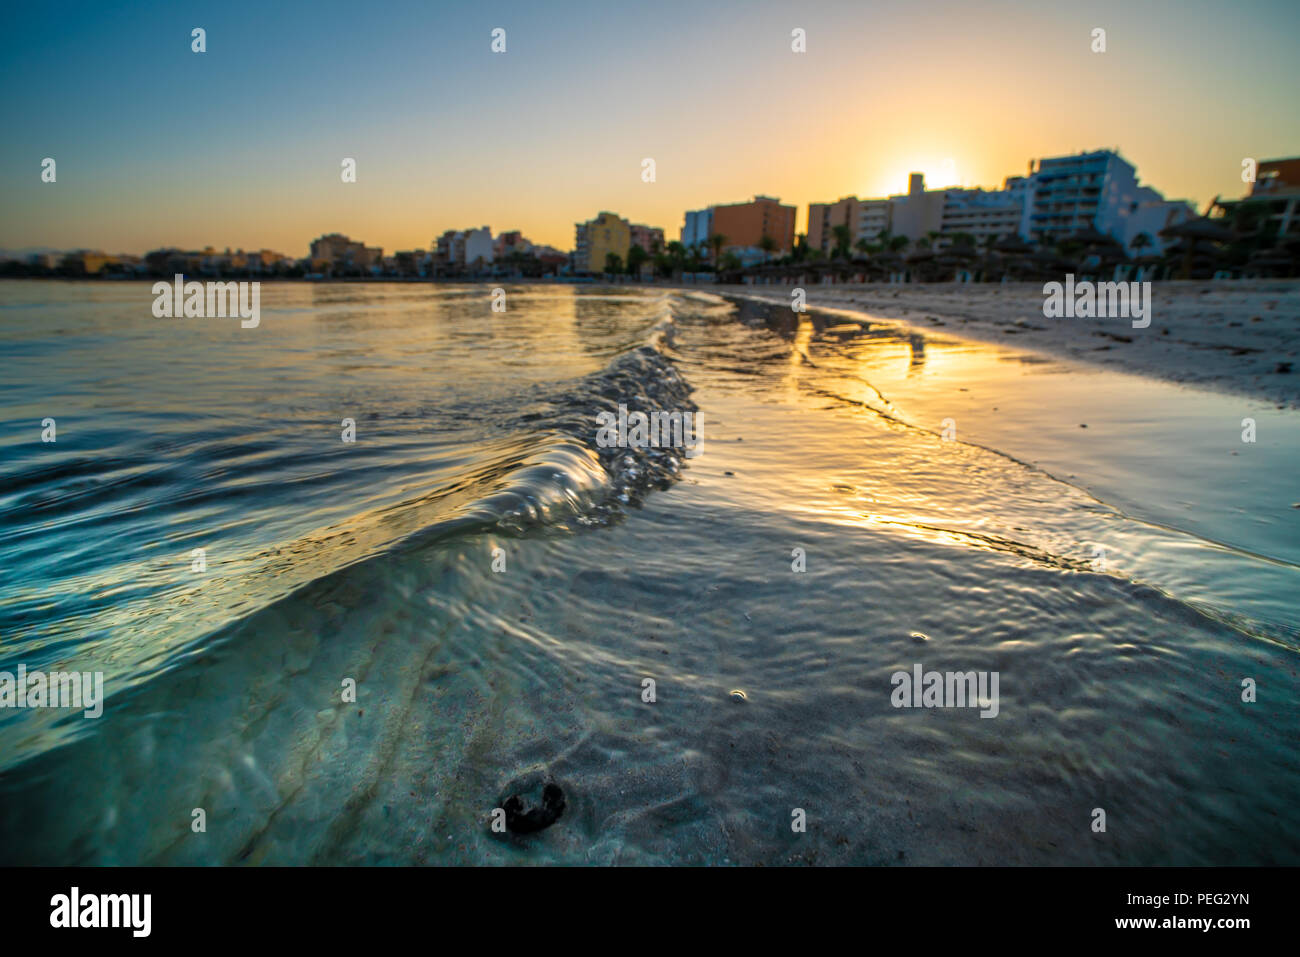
x=920, y=212
x=1277, y=190
x=824, y=218
x=744, y=227
x=1061, y=196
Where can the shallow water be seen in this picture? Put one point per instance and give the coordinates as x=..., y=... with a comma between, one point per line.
x=1121, y=585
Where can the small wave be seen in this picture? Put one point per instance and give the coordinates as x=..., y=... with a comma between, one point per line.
x=537, y=467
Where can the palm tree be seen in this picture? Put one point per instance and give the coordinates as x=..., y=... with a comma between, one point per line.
x=635, y=257
x=717, y=241
x=767, y=244
x=1140, y=242
x=676, y=258
x=843, y=238
x=863, y=247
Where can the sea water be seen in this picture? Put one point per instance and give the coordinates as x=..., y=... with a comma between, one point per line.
x=698, y=650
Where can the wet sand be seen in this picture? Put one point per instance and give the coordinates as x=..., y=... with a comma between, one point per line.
x=1234, y=336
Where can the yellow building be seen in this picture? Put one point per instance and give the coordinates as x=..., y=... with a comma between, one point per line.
x=97, y=261
x=607, y=233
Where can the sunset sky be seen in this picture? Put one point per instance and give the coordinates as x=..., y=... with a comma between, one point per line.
x=241, y=146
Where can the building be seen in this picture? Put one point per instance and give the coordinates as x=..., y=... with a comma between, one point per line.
x=824, y=217
x=511, y=243
x=982, y=214
x=1098, y=190
x=697, y=229
x=1064, y=196
x=916, y=214
x=919, y=211
x=1277, y=176
x=745, y=224
x=875, y=216
x=1277, y=183
x=88, y=262
x=595, y=240
x=1150, y=217
x=465, y=247
x=266, y=260
x=410, y=262
x=477, y=246
x=338, y=251
x=549, y=253
x=1274, y=198
x=1074, y=194
x=649, y=238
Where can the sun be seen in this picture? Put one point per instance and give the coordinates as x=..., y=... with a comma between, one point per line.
x=939, y=171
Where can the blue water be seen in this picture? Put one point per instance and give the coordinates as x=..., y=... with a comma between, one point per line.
x=499, y=588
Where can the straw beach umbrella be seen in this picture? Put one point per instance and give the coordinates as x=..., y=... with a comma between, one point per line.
x=1197, y=243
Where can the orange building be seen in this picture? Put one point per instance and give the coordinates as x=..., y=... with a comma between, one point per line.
x=745, y=224
x=1277, y=176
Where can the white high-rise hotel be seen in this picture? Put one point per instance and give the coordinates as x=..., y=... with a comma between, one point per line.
x=1098, y=190
x=1064, y=196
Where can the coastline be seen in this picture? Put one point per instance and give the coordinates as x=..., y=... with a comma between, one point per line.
x=1240, y=337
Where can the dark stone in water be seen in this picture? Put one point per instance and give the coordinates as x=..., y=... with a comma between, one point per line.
x=526, y=815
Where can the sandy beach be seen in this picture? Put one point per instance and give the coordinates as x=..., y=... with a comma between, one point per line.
x=1240, y=336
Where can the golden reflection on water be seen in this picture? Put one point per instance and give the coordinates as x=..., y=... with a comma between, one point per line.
x=803, y=336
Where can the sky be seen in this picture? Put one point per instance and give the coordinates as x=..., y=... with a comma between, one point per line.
x=242, y=145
